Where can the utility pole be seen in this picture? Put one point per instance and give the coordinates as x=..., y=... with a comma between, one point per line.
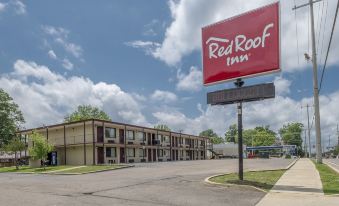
x=305, y=145
x=315, y=83
x=308, y=129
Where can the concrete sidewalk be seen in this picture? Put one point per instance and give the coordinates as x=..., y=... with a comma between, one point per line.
x=300, y=185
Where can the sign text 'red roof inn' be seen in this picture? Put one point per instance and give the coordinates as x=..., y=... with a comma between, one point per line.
x=242, y=46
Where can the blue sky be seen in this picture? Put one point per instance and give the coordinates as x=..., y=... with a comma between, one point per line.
x=140, y=61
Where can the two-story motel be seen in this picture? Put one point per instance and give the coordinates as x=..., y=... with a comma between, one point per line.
x=103, y=142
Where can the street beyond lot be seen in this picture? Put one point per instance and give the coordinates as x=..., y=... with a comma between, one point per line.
x=332, y=162
x=168, y=183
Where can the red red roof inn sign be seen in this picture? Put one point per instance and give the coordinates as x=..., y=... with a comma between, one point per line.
x=242, y=46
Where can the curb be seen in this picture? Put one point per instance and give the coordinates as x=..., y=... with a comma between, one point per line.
x=104, y=170
x=55, y=172
x=207, y=179
x=328, y=164
x=290, y=165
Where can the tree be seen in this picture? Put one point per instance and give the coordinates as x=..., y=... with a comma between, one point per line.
x=11, y=118
x=291, y=135
x=162, y=127
x=259, y=136
x=84, y=112
x=231, y=134
x=215, y=139
x=40, y=147
x=14, y=146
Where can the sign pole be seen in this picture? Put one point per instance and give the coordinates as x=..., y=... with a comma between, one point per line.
x=239, y=83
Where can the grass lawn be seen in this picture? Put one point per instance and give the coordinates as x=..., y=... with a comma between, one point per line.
x=33, y=170
x=261, y=179
x=329, y=179
x=88, y=169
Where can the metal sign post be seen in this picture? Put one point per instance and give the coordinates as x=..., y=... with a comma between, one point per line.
x=239, y=83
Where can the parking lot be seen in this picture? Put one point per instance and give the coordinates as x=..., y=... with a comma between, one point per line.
x=167, y=183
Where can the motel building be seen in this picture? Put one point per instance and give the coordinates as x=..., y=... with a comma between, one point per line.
x=95, y=142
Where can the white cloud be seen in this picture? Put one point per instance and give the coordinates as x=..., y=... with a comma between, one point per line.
x=282, y=86
x=19, y=7
x=183, y=35
x=2, y=6
x=52, y=54
x=147, y=46
x=164, y=96
x=60, y=36
x=190, y=82
x=45, y=97
x=67, y=64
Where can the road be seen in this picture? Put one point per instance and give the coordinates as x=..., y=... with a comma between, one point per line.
x=167, y=183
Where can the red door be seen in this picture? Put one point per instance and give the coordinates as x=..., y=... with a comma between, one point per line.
x=122, y=155
x=121, y=136
x=149, y=155
x=101, y=155
x=100, y=134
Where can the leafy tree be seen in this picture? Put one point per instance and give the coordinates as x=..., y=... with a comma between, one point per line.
x=84, y=112
x=215, y=139
x=162, y=127
x=14, y=146
x=259, y=136
x=40, y=147
x=11, y=118
x=231, y=134
x=291, y=135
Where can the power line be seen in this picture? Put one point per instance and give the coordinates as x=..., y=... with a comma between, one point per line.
x=329, y=46
x=320, y=23
x=322, y=41
x=296, y=31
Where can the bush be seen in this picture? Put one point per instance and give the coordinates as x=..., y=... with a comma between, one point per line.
x=288, y=156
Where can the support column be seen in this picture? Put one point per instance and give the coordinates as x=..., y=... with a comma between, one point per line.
x=65, y=152
x=125, y=132
x=170, y=137
x=103, y=141
x=93, y=142
x=84, y=142
x=47, y=134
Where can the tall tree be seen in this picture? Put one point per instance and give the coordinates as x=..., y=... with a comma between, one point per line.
x=84, y=112
x=14, y=146
x=231, y=134
x=11, y=118
x=291, y=135
x=162, y=127
x=259, y=136
x=40, y=148
x=215, y=139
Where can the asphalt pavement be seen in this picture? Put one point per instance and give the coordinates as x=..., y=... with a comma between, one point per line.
x=167, y=183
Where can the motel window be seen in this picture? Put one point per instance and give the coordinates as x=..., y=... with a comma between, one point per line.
x=110, y=132
x=161, y=153
x=111, y=152
x=130, y=135
x=142, y=152
x=160, y=137
x=166, y=139
x=141, y=136
x=130, y=152
x=181, y=153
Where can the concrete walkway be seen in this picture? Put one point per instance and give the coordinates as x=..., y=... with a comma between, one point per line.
x=300, y=185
